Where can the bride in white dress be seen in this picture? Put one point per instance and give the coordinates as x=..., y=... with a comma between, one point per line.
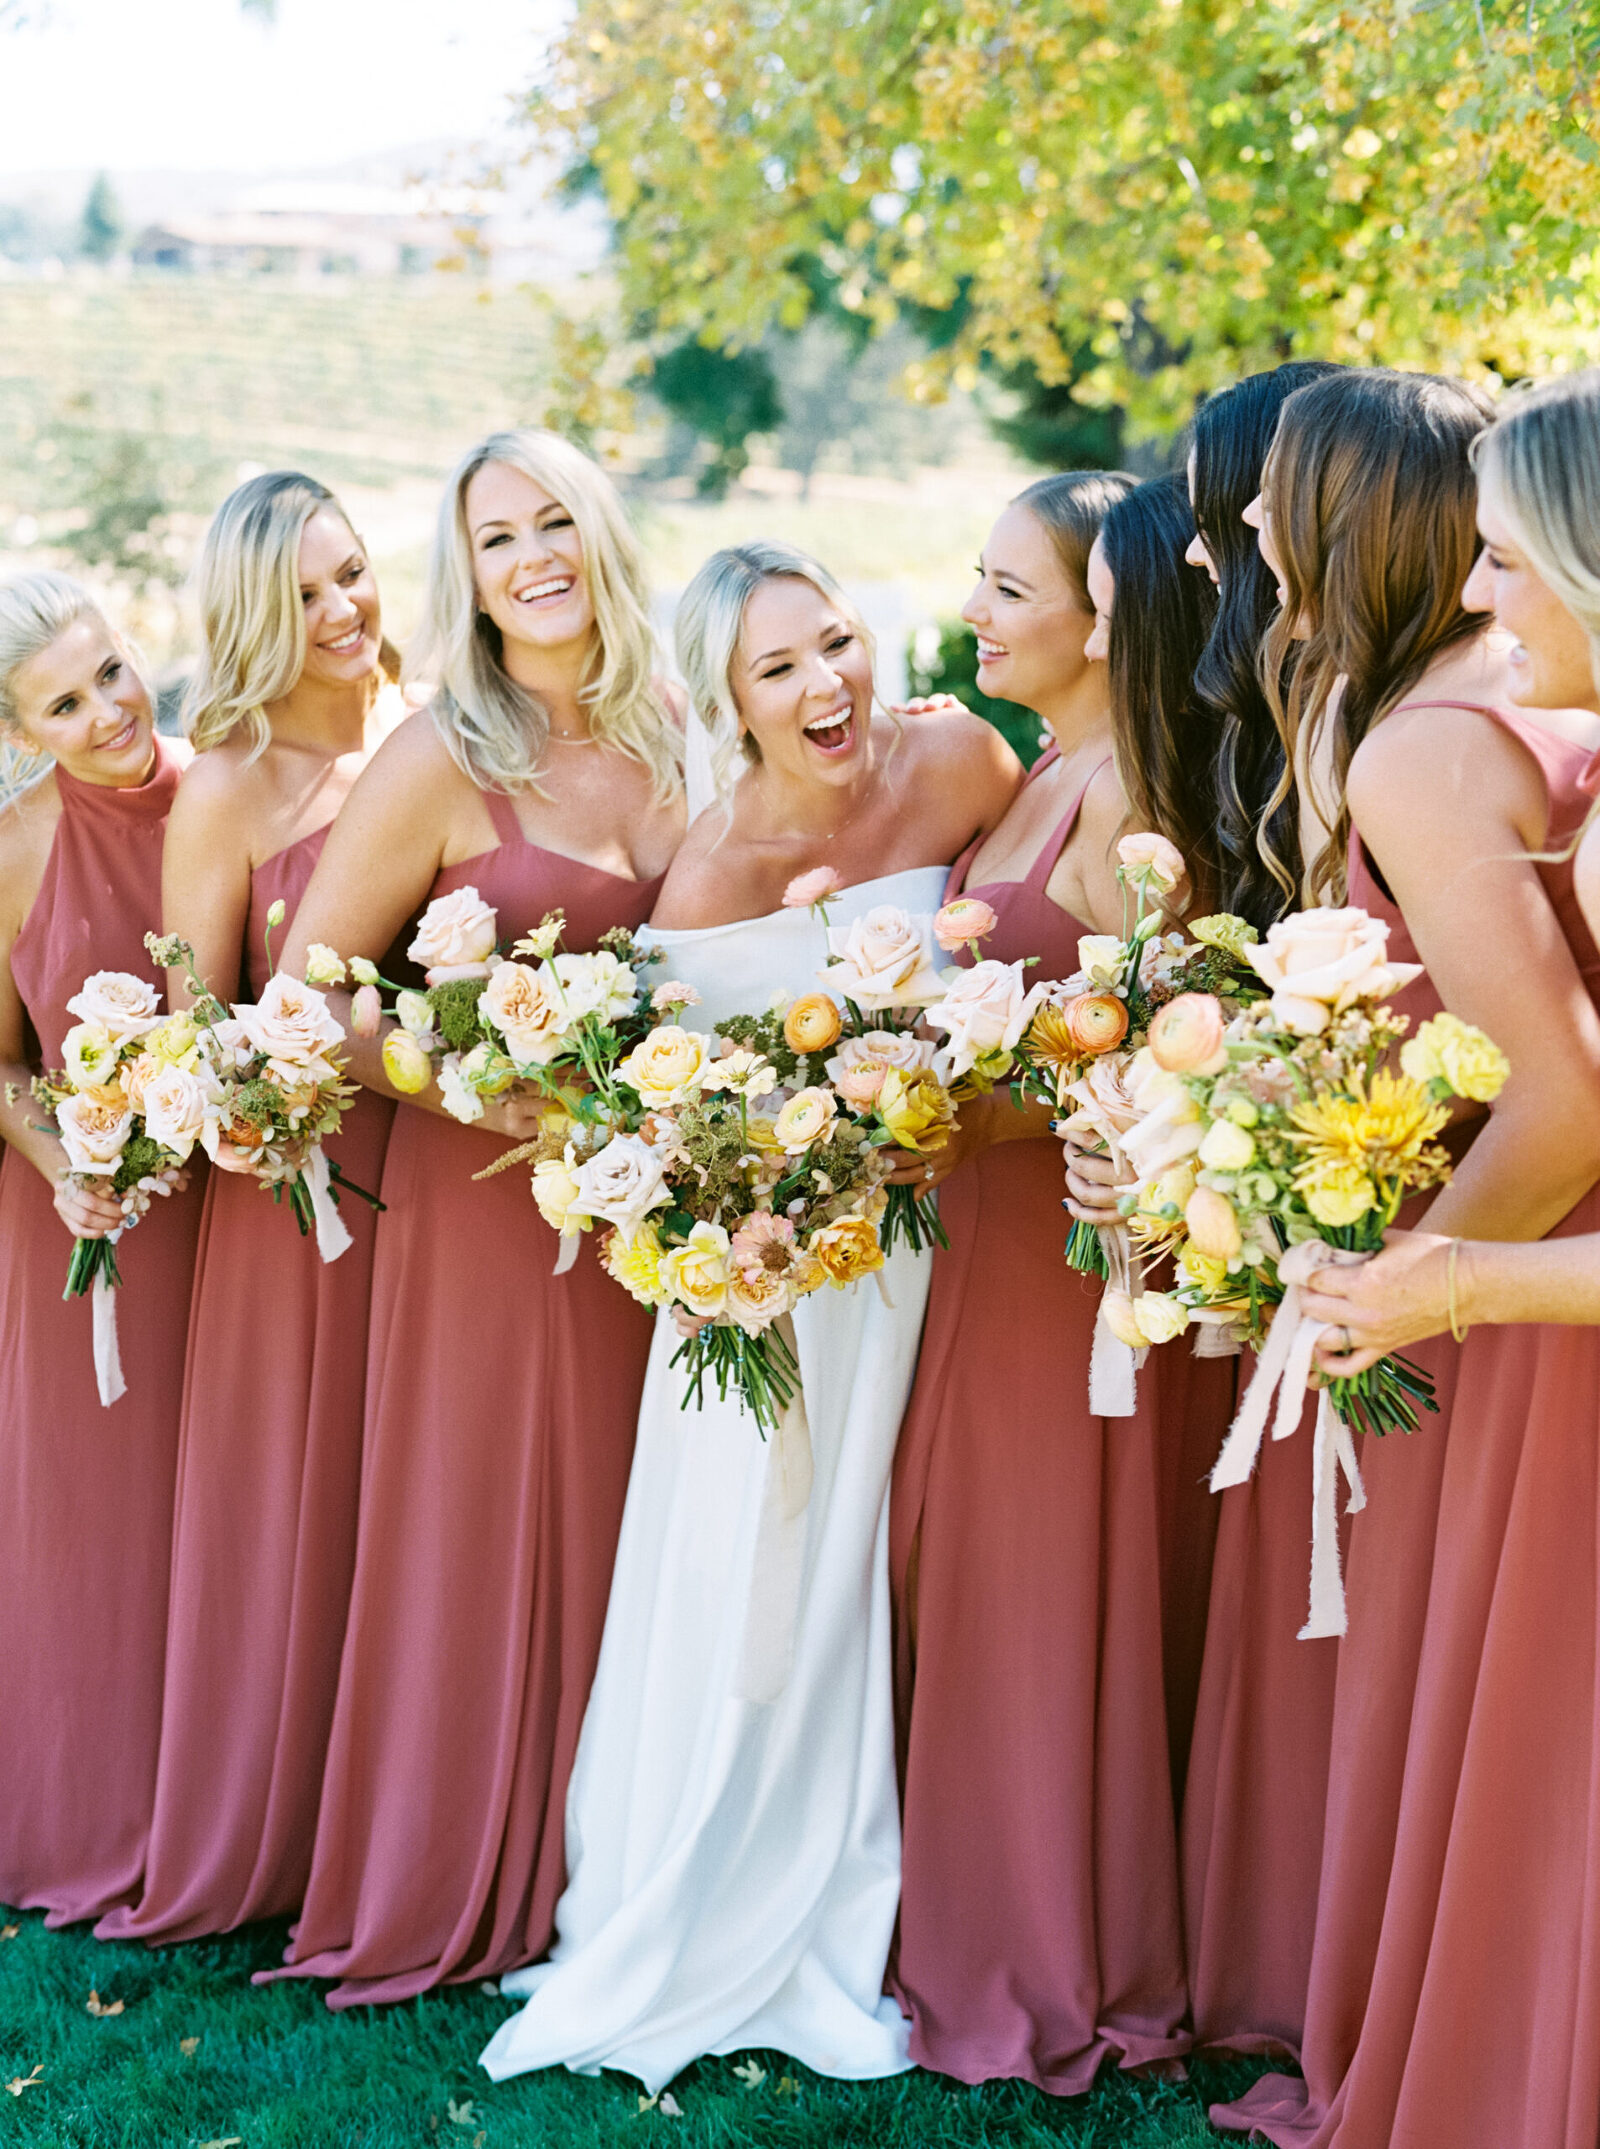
x=734, y=1863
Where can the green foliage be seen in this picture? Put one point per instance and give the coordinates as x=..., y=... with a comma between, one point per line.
x=1053, y=429
x=952, y=668
x=272, y=2067
x=114, y=494
x=101, y=225
x=723, y=398
x=763, y=1034
x=141, y=1159
x=455, y=1012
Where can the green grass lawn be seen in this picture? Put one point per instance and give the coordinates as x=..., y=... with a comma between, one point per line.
x=198, y=2058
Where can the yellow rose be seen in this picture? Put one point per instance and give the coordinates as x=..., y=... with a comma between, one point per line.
x=555, y=1189
x=405, y=1063
x=1451, y=1051
x=1336, y=1192
x=916, y=1109
x=1160, y=1316
x=1200, y=1272
x=697, y=1272
x=847, y=1249
x=805, y=1119
x=665, y=1067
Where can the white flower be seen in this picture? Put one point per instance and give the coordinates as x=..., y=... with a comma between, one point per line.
x=745, y=1073
x=89, y=1053
x=884, y=959
x=94, y=1132
x=545, y=938
x=290, y=1026
x=1100, y=958
x=526, y=1007
x=178, y=1108
x=985, y=1009
x=623, y=1184
x=324, y=965
x=555, y=1189
x=1322, y=961
x=456, y=1094
x=600, y=984
x=415, y=1012
x=454, y=932
x=121, y=1005
x=363, y=971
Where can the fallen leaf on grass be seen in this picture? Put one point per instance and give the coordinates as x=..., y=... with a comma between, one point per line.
x=490, y=1987
x=750, y=2074
x=9, y=1932
x=96, y=2006
x=228, y=2141
x=479, y=2139
x=188, y=2046
x=20, y=2084
x=670, y=2105
x=461, y=2115
x=788, y=2086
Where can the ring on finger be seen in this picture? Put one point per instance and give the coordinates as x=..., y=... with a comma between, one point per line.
x=1349, y=1346
x=927, y=1171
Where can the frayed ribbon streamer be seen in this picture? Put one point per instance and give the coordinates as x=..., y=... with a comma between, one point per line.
x=766, y=1655
x=333, y=1237
x=1113, y=1364
x=567, y=1251
x=107, y=1356
x=1284, y=1369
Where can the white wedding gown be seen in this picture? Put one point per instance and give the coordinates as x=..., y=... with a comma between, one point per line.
x=734, y=1864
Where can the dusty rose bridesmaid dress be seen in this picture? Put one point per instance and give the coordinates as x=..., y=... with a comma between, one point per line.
x=501, y=1404
x=1455, y=1997
x=86, y=1491
x=264, y=1528
x=1029, y=1547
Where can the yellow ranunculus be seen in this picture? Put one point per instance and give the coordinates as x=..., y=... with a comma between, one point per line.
x=697, y=1272
x=847, y=1249
x=406, y=1064
x=555, y=1189
x=665, y=1067
x=1451, y=1051
x=1160, y=1316
x=805, y=1119
x=1336, y=1192
x=1227, y=1147
x=1201, y=1273
x=915, y=1108
x=1233, y=935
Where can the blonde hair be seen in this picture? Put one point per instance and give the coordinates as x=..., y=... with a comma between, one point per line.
x=710, y=624
x=35, y=610
x=1539, y=463
x=494, y=730
x=252, y=622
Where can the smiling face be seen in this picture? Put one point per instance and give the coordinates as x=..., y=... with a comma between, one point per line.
x=1030, y=621
x=339, y=596
x=1550, y=665
x=1102, y=591
x=802, y=681
x=527, y=562
x=82, y=702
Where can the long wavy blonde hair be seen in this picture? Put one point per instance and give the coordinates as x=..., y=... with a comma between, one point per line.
x=496, y=731
x=252, y=621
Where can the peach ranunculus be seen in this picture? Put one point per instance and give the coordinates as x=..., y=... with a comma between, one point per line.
x=124, y=1006
x=622, y=1184
x=455, y=933
x=698, y=1271
x=963, y=922
x=366, y=1011
x=665, y=1067
x=861, y=1083
x=1149, y=853
x=1186, y=1035
x=983, y=1013
x=812, y=1024
x=179, y=1111
x=809, y=890
x=805, y=1119
x=1319, y=962
x=526, y=1007
x=94, y=1126
x=848, y=1249
x=883, y=959
x=1212, y=1224
x=1096, y=1022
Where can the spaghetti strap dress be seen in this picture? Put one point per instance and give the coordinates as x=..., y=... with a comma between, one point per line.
x=500, y=1412
x=1456, y=1991
x=1039, y=1926
x=87, y=1491
x=264, y=1527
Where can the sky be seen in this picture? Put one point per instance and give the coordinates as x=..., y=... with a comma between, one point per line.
x=200, y=85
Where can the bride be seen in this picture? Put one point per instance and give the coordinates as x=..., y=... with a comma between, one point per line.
x=734, y=1862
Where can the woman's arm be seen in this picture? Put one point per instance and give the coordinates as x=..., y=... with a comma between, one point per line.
x=1403, y=1295
x=1450, y=807
x=205, y=877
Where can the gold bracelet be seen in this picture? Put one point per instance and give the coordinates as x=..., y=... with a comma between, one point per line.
x=1457, y=1331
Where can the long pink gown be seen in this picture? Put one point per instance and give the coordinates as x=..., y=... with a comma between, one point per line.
x=1455, y=1998
x=1030, y=1543
x=86, y=1491
x=500, y=1415
x=264, y=1529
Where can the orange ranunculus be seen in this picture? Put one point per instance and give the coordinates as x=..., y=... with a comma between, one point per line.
x=812, y=1023
x=1095, y=1021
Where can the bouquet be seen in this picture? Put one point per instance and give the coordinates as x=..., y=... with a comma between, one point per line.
x=1274, y=1140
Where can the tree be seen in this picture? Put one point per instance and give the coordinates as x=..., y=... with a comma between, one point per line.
x=721, y=398
x=101, y=227
x=1181, y=190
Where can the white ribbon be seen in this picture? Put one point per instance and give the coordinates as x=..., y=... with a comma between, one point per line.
x=107, y=1357
x=1113, y=1364
x=567, y=1251
x=333, y=1238
x=1284, y=1369
x=766, y=1655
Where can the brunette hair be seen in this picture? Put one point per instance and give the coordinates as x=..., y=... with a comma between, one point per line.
x=252, y=622
x=1161, y=612
x=1370, y=491
x=1258, y=819
x=1071, y=507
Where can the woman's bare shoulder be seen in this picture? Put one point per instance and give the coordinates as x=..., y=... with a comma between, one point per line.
x=715, y=878
x=27, y=828
x=1425, y=766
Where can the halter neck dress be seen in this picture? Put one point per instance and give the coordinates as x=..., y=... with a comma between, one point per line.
x=1030, y=1557
x=500, y=1411
x=1455, y=1989
x=264, y=1528
x=87, y=1490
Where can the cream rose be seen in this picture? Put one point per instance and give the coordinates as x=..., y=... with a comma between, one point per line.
x=178, y=1110
x=121, y=1005
x=1319, y=962
x=455, y=932
x=665, y=1067
x=698, y=1272
x=290, y=1026
x=882, y=1048
x=94, y=1127
x=806, y=1118
x=623, y=1184
x=883, y=959
x=89, y=1054
x=555, y=1189
x=525, y=1006
x=756, y=1298
x=985, y=1009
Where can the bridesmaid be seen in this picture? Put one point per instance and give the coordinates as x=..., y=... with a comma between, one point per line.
x=1039, y=1926
x=501, y=1400
x=1464, y=1802
x=87, y=1490
x=287, y=706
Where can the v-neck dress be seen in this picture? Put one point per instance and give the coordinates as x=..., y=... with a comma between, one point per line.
x=500, y=1412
